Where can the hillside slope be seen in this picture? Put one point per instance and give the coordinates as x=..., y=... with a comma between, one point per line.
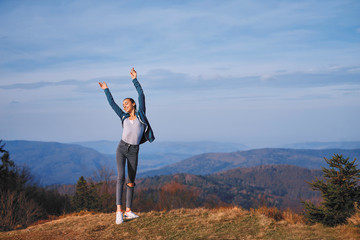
x=282, y=186
x=226, y=223
x=215, y=162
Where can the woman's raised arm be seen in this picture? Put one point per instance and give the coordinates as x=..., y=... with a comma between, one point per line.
x=141, y=95
x=111, y=101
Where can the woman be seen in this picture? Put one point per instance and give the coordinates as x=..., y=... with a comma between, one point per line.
x=136, y=130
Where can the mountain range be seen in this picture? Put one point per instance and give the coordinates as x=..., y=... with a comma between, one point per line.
x=324, y=145
x=60, y=163
x=159, y=154
x=63, y=163
x=161, y=147
x=199, y=147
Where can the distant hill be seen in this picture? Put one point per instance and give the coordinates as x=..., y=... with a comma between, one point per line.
x=162, y=147
x=102, y=146
x=282, y=186
x=159, y=153
x=215, y=162
x=57, y=163
x=325, y=145
x=62, y=163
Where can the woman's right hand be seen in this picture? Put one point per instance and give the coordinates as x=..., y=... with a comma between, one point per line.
x=103, y=85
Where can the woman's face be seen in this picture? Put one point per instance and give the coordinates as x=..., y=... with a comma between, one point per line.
x=128, y=105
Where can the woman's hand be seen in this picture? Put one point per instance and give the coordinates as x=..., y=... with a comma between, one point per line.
x=103, y=85
x=133, y=73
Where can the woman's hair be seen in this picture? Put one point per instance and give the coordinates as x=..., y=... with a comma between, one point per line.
x=132, y=101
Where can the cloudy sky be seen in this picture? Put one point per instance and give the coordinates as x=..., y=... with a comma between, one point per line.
x=259, y=73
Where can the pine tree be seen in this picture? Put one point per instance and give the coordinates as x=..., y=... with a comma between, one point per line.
x=93, y=201
x=80, y=200
x=340, y=190
x=86, y=197
x=8, y=173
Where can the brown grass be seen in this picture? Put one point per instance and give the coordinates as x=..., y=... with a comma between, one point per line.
x=222, y=223
x=271, y=212
x=274, y=213
x=355, y=219
x=293, y=218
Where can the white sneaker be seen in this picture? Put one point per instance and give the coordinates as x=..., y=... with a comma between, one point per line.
x=119, y=218
x=130, y=215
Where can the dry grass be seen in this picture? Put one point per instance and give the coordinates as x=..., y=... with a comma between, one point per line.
x=222, y=223
x=355, y=219
x=271, y=212
x=274, y=213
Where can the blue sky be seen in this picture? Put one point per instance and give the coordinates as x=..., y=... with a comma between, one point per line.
x=261, y=73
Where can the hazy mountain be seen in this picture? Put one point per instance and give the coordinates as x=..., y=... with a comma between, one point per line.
x=194, y=148
x=158, y=154
x=325, y=145
x=215, y=162
x=161, y=147
x=102, y=146
x=52, y=162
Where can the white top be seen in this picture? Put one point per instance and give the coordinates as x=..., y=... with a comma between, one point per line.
x=132, y=131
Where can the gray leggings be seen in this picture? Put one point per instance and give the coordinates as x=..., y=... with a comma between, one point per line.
x=130, y=153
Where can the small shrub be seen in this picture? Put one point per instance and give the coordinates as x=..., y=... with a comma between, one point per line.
x=17, y=211
x=271, y=212
x=355, y=219
x=291, y=217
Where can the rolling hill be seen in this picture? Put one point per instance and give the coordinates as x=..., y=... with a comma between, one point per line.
x=159, y=153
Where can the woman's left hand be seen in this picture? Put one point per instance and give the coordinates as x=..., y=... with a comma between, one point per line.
x=103, y=85
x=133, y=73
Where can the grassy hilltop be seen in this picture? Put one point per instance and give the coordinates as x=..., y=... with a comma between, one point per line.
x=222, y=223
